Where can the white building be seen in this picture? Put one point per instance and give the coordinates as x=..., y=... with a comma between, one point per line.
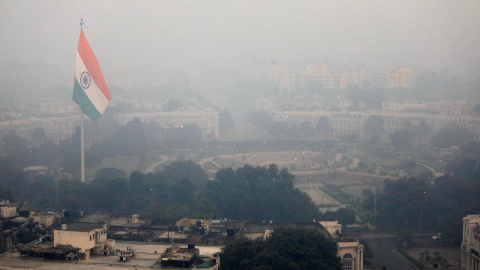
x=46, y=218
x=8, y=212
x=350, y=250
x=471, y=243
x=85, y=236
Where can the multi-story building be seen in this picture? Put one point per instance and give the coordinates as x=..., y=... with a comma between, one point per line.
x=56, y=128
x=471, y=243
x=352, y=122
x=258, y=68
x=387, y=78
x=314, y=73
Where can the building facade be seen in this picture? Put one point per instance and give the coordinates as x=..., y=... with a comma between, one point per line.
x=471, y=243
x=85, y=236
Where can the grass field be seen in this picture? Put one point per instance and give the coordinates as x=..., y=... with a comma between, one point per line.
x=125, y=163
x=291, y=160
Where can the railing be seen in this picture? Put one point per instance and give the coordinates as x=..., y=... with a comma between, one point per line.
x=412, y=261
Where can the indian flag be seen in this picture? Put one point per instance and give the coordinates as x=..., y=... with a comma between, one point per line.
x=90, y=91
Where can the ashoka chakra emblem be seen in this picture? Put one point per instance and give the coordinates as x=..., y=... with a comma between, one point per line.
x=85, y=80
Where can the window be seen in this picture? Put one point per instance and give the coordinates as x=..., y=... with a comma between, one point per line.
x=347, y=262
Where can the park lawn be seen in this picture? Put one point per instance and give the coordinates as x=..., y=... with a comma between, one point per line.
x=125, y=163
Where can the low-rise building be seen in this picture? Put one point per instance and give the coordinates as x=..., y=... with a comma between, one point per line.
x=8, y=211
x=46, y=218
x=179, y=257
x=349, y=249
x=85, y=236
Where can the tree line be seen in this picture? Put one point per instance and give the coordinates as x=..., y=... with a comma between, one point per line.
x=424, y=204
x=181, y=189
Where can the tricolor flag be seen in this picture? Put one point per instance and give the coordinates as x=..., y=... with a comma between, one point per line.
x=90, y=91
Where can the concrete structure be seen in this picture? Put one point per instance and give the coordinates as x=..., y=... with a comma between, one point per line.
x=258, y=68
x=179, y=257
x=471, y=243
x=351, y=252
x=352, y=122
x=314, y=73
x=146, y=257
x=85, y=236
x=405, y=105
x=388, y=78
x=46, y=218
x=8, y=211
x=332, y=226
x=56, y=128
x=349, y=249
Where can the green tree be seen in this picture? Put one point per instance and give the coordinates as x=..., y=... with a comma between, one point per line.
x=343, y=216
x=322, y=127
x=38, y=136
x=258, y=193
x=153, y=133
x=422, y=130
x=305, y=129
x=226, y=122
x=286, y=248
x=188, y=136
x=374, y=125
x=179, y=170
x=260, y=119
x=401, y=138
x=452, y=134
x=476, y=109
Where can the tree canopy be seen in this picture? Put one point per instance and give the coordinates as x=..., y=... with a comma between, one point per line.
x=374, y=125
x=258, y=193
x=286, y=248
x=452, y=134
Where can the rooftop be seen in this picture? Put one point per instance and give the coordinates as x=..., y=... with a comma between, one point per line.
x=83, y=227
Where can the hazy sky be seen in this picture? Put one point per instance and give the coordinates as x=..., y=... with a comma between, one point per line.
x=145, y=37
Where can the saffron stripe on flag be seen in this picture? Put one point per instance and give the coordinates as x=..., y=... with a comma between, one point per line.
x=90, y=61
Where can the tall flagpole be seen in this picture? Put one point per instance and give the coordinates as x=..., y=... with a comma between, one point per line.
x=82, y=147
x=82, y=151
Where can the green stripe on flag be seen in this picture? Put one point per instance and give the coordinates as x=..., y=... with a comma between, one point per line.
x=84, y=102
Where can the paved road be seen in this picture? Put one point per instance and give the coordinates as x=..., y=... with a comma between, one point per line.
x=384, y=255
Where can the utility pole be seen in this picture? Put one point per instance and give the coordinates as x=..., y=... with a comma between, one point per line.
x=421, y=209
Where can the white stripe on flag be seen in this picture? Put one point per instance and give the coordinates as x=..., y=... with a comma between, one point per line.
x=93, y=92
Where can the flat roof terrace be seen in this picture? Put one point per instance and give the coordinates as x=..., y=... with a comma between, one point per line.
x=145, y=258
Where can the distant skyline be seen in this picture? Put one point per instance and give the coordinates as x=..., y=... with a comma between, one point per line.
x=151, y=38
